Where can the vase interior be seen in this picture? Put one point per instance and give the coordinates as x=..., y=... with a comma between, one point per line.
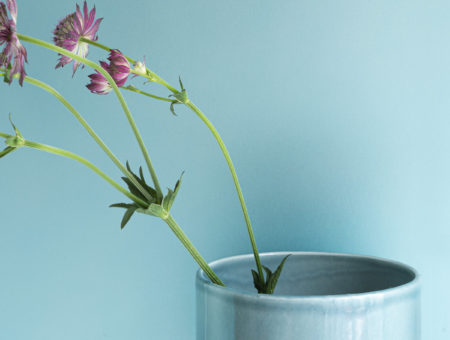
x=318, y=274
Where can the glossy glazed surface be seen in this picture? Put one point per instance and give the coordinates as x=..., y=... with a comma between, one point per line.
x=320, y=296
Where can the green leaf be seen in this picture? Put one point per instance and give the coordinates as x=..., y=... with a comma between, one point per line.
x=172, y=109
x=272, y=282
x=18, y=134
x=17, y=140
x=126, y=217
x=122, y=205
x=135, y=191
x=6, y=151
x=181, y=83
x=257, y=282
x=141, y=180
x=171, y=195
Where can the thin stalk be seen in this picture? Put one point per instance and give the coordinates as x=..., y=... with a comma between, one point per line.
x=154, y=77
x=235, y=180
x=134, y=89
x=121, y=99
x=75, y=157
x=88, y=128
x=192, y=250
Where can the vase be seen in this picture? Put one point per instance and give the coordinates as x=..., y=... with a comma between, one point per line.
x=319, y=296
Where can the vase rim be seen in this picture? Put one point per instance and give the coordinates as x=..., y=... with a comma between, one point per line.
x=405, y=288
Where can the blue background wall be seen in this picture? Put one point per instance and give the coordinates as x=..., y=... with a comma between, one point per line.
x=337, y=117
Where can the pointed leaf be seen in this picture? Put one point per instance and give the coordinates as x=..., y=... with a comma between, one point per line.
x=172, y=194
x=181, y=83
x=172, y=109
x=268, y=272
x=18, y=134
x=142, y=182
x=166, y=202
x=6, y=151
x=135, y=191
x=126, y=217
x=271, y=284
x=257, y=282
x=122, y=205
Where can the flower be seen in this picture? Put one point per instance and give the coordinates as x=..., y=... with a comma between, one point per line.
x=99, y=84
x=118, y=68
x=13, y=48
x=69, y=30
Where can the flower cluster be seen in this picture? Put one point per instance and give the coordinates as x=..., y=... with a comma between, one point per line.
x=13, y=49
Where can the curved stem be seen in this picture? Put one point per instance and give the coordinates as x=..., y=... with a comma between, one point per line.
x=154, y=77
x=111, y=81
x=134, y=89
x=75, y=157
x=236, y=182
x=91, y=132
x=192, y=250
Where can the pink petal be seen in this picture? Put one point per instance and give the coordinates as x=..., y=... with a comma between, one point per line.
x=12, y=6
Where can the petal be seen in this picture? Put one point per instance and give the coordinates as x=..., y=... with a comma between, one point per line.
x=12, y=6
x=86, y=12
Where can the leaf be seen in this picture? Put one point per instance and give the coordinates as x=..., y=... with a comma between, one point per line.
x=18, y=134
x=171, y=195
x=272, y=282
x=257, y=282
x=172, y=109
x=141, y=181
x=181, y=83
x=122, y=205
x=126, y=217
x=6, y=151
x=135, y=191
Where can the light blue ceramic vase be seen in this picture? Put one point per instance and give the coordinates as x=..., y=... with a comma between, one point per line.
x=320, y=296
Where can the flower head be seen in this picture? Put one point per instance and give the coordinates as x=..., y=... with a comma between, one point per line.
x=118, y=68
x=99, y=84
x=69, y=30
x=13, y=48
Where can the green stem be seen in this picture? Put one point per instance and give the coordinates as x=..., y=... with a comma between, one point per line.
x=111, y=81
x=154, y=77
x=134, y=89
x=236, y=182
x=91, y=132
x=192, y=250
x=75, y=157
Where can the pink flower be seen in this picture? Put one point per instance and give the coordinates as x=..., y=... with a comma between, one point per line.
x=118, y=68
x=99, y=84
x=69, y=30
x=13, y=48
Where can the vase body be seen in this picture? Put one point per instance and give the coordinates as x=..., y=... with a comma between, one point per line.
x=319, y=296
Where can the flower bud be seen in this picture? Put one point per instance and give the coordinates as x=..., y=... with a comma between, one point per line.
x=139, y=67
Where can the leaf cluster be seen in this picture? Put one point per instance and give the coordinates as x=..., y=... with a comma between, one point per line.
x=267, y=285
x=155, y=206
